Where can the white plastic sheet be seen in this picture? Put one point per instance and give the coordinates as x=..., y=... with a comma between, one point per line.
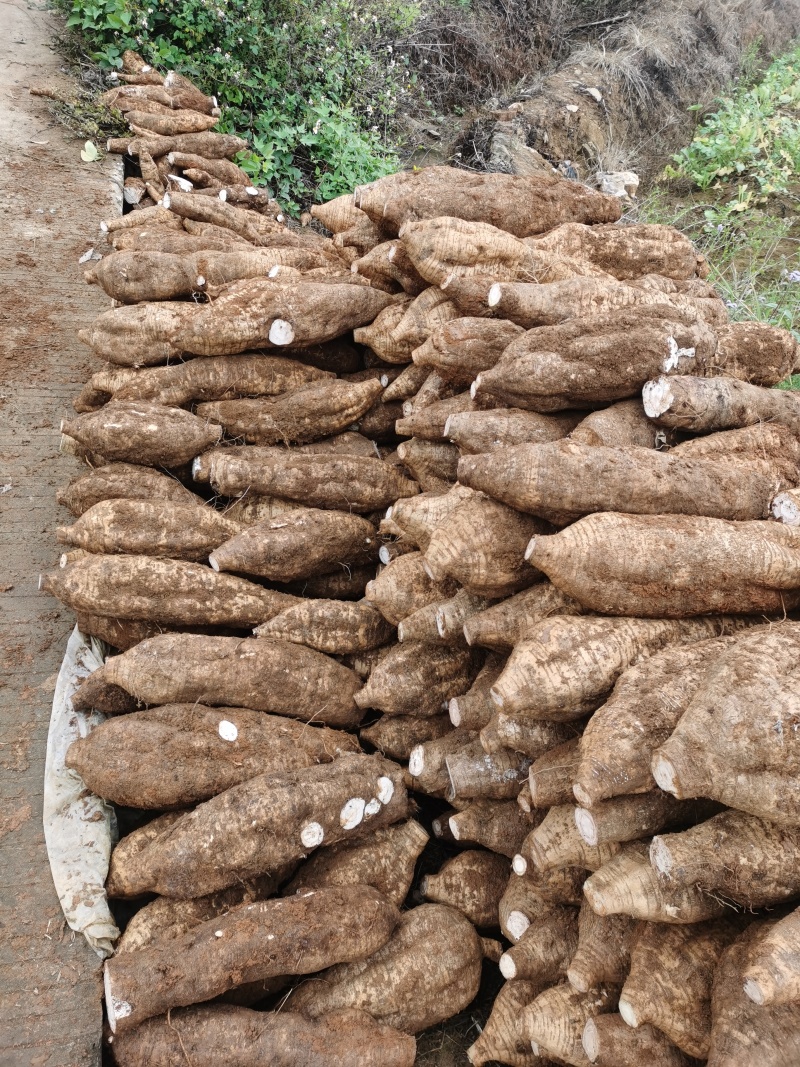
x=79, y=827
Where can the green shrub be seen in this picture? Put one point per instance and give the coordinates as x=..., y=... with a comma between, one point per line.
x=315, y=85
x=754, y=136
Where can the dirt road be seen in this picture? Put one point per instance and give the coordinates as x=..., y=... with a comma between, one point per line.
x=50, y=207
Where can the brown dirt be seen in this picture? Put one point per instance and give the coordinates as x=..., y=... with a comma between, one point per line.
x=50, y=207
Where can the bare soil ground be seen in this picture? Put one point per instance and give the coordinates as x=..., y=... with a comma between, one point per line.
x=50, y=207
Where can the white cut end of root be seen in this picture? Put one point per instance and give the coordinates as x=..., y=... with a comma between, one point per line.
x=454, y=712
x=786, y=509
x=519, y=864
x=166, y=201
x=428, y=570
x=384, y=555
x=103, y=227
x=400, y=632
x=384, y=380
x=312, y=835
x=197, y=465
x=389, y=511
x=530, y=548
x=170, y=158
x=416, y=761
x=279, y=218
x=273, y=272
x=657, y=397
x=146, y=69
x=754, y=991
x=535, y=1047
x=517, y=924
x=63, y=561
x=223, y=195
x=660, y=856
x=212, y=562
x=508, y=968
x=228, y=730
x=354, y=267
x=281, y=332
x=352, y=813
x=581, y=796
x=664, y=773
x=497, y=698
x=373, y=807
x=214, y=101
x=473, y=389
x=116, y=1009
x=495, y=295
x=448, y=280
x=590, y=1040
x=454, y=830
x=251, y=190
x=183, y=184
x=200, y=281
x=628, y=1014
x=447, y=426
x=385, y=790
x=587, y=827
x=577, y=981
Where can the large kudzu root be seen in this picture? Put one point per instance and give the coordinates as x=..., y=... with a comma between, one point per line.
x=264, y=824
x=620, y=425
x=563, y=480
x=566, y=666
x=641, y=713
x=503, y=1039
x=165, y=528
x=162, y=590
x=519, y=205
x=404, y=587
x=488, y=431
x=143, y=432
x=213, y=1034
x=671, y=973
x=702, y=405
x=308, y=413
x=602, y=955
x=712, y=855
x=772, y=976
x=337, y=482
x=176, y=755
x=499, y=825
x=122, y=480
x=262, y=674
x=629, y=885
x=608, y=1041
x=556, y=843
x=473, y=882
x=398, y=735
x=555, y=1021
x=464, y=347
x=626, y=252
x=599, y=357
x=418, y=679
x=543, y=952
x=332, y=626
x=428, y=971
x=298, y=545
x=750, y=691
x=258, y=941
x=503, y=625
x=712, y=565
x=204, y=378
x=386, y=860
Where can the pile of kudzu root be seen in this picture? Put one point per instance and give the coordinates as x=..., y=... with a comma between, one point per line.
x=479, y=520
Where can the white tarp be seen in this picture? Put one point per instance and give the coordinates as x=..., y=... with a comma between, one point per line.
x=79, y=827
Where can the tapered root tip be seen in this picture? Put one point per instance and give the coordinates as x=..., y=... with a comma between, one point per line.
x=663, y=771
x=657, y=397
x=587, y=827
x=590, y=1040
x=495, y=295
x=627, y=1012
x=661, y=857
x=578, y=981
x=281, y=333
x=754, y=991
x=786, y=510
x=508, y=968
